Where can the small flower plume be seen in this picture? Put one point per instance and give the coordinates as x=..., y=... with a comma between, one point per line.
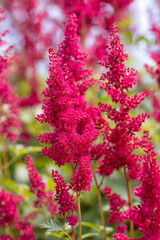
x=10, y=216
x=5, y=237
x=120, y=236
x=122, y=228
x=82, y=177
x=9, y=100
x=155, y=55
x=146, y=215
x=91, y=15
x=154, y=71
x=26, y=230
x=34, y=43
x=38, y=187
x=116, y=204
x=65, y=200
x=9, y=212
x=119, y=141
x=70, y=54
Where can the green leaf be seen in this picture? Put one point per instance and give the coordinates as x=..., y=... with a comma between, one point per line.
x=129, y=36
x=92, y=225
x=89, y=235
x=142, y=38
x=21, y=150
x=52, y=225
x=58, y=234
x=15, y=187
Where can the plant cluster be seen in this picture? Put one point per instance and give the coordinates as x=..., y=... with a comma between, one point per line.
x=86, y=141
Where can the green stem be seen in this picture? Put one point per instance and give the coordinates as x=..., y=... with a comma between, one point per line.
x=79, y=216
x=129, y=192
x=100, y=206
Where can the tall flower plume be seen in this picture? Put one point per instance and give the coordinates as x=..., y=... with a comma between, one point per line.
x=8, y=99
x=65, y=109
x=119, y=141
x=146, y=214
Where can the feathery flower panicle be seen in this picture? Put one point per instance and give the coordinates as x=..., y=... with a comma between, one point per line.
x=9, y=100
x=9, y=212
x=117, y=149
x=38, y=187
x=154, y=71
x=5, y=237
x=116, y=204
x=65, y=200
x=34, y=42
x=72, y=220
x=70, y=53
x=26, y=230
x=91, y=15
x=66, y=110
x=122, y=228
x=155, y=55
x=10, y=216
x=146, y=215
x=82, y=177
x=120, y=236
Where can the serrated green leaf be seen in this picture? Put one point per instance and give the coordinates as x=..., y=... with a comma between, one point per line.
x=52, y=225
x=92, y=225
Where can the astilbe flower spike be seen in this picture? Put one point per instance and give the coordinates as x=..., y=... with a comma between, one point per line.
x=71, y=55
x=120, y=236
x=116, y=205
x=34, y=43
x=119, y=142
x=65, y=200
x=154, y=71
x=8, y=207
x=38, y=187
x=8, y=99
x=26, y=230
x=5, y=237
x=146, y=215
x=10, y=217
x=65, y=109
x=91, y=15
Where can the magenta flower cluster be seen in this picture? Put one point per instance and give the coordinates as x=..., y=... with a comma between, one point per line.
x=66, y=110
x=9, y=100
x=10, y=216
x=38, y=187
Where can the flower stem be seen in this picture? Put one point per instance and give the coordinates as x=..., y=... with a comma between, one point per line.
x=79, y=216
x=5, y=160
x=100, y=206
x=129, y=192
x=73, y=232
